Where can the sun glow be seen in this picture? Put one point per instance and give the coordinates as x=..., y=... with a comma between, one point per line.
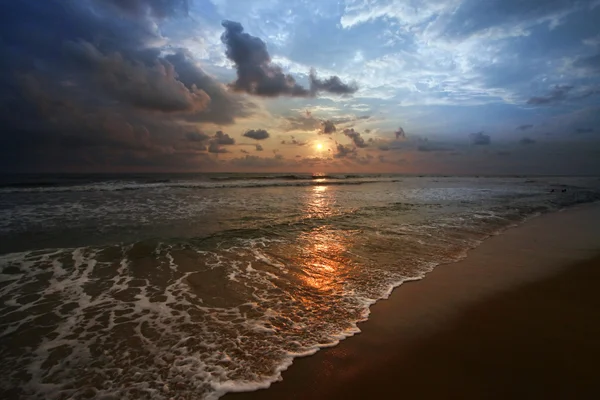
x=319, y=146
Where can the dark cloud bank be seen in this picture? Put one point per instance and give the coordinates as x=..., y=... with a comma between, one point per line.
x=88, y=85
x=85, y=85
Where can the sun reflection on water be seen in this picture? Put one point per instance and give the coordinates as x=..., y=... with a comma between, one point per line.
x=319, y=202
x=322, y=252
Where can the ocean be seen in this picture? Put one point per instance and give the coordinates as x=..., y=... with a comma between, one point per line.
x=190, y=286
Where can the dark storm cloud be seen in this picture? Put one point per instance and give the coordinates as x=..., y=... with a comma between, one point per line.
x=480, y=138
x=557, y=94
x=257, y=134
x=357, y=139
x=400, y=133
x=93, y=75
x=527, y=140
x=256, y=73
x=223, y=108
x=328, y=127
x=223, y=138
x=524, y=127
x=148, y=87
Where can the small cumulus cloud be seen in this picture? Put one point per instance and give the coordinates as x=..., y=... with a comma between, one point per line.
x=215, y=148
x=259, y=147
x=357, y=139
x=400, y=134
x=223, y=138
x=328, y=127
x=257, y=134
x=344, y=151
x=332, y=84
x=480, y=138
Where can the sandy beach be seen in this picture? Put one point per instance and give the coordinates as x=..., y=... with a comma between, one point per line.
x=517, y=318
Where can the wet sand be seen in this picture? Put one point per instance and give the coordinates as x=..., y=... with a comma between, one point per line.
x=518, y=318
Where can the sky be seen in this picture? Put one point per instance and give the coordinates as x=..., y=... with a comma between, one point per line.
x=406, y=86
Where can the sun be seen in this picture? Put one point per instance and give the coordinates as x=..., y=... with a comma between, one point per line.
x=319, y=146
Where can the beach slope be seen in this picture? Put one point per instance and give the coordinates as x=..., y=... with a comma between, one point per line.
x=518, y=318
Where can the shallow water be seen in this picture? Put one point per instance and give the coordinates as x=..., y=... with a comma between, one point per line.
x=192, y=286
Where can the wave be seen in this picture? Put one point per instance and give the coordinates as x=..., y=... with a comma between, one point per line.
x=293, y=177
x=218, y=183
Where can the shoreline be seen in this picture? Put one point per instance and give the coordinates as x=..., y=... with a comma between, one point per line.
x=553, y=250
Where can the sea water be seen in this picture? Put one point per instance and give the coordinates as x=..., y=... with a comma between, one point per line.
x=190, y=286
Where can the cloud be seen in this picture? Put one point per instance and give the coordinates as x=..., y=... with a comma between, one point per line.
x=400, y=134
x=584, y=130
x=480, y=138
x=258, y=75
x=328, y=127
x=148, y=87
x=196, y=136
x=257, y=134
x=332, y=84
x=305, y=122
x=526, y=141
x=97, y=76
x=156, y=8
x=524, y=127
x=344, y=151
x=224, y=107
x=223, y=138
x=591, y=63
x=557, y=94
x=215, y=148
x=293, y=141
x=357, y=139
x=259, y=147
